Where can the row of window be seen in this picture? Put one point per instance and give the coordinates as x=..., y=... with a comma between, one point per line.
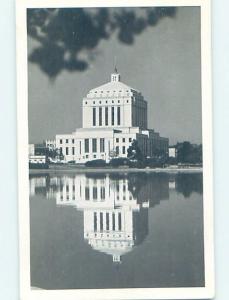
x=118, y=149
x=94, y=199
x=94, y=145
x=73, y=141
x=67, y=141
x=104, y=116
x=98, y=220
x=102, y=102
x=124, y=188
x=123, y=140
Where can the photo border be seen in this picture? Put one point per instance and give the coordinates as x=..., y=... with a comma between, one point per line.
x=26, y=292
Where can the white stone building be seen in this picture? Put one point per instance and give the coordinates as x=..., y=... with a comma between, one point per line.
x=114, y=114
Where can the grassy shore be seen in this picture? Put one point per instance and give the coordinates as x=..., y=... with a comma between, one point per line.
x=80, y=170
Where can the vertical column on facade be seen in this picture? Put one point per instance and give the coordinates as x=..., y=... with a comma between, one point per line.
x=116, y=221
x=110, y=221
x=90, y=186
x=98, y=221
x=104, y=222
x=98, y=183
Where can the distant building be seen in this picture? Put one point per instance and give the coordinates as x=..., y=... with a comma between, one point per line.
x=36, y=156
x=50, y=144
x=172, y=151
x=114, y=115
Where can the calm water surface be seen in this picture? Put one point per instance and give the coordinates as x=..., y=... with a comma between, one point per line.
x=116, y=230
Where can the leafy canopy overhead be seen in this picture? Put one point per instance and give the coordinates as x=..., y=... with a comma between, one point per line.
x=65, y=35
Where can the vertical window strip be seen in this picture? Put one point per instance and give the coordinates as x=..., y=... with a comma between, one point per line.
x=106, y=116
x=118, y=116
x=112, y=115
x=100, y=116
x=94, y=116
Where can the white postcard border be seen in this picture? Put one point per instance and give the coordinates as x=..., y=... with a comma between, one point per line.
x=26, y=293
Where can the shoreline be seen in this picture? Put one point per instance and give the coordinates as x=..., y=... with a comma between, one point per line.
x=81, y=170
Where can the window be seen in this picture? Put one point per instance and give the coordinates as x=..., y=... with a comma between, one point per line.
x=106, y=116
x=130, y=140
x=113, y=221
x=66, y=150
x=102, y=145
x=61, y=141
x=95, y=194
x=94, y=145
x=123, y=150
x=73, y=150
x=100, y=116
x=101, y=221
x=87, y=193
x=67, y=188
x=66, y=141
x=123, y=140
x=107, y=221
x=112, y=115
x=94, y=116
x=119, y=221
x=102, y=191
x=73, y=141
x=117, y=150
x=80, y=147
x=86, y=145
x=118, y=115
x=61, y=150
x=95, y=221
x=94, y=156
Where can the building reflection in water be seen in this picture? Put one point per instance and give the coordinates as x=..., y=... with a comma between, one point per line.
x=115, y=206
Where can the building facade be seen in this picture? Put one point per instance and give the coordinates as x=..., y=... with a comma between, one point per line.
x=114, y=115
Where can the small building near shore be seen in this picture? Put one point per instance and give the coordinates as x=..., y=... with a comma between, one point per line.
x=114, y=114
x=172, y=151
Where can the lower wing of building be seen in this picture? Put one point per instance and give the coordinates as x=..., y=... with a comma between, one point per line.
x=87, y=144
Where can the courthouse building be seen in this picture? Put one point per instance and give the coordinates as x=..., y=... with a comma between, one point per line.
x=114, y=115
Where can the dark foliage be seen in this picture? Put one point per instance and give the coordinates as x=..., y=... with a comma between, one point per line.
x=95, y=163
x=187, y=184
x=117, y=162
x=63, y=34
x=189, y=153
x=134, y=152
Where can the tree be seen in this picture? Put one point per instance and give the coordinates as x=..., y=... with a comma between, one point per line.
x=134, y=152
x=64, y=34
x=189, y=153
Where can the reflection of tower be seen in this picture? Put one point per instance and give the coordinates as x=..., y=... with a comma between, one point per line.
x=114, y=220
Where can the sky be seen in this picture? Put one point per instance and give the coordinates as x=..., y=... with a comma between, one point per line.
x=164, y=63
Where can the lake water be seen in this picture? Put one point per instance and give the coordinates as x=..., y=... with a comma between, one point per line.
x=116, y=230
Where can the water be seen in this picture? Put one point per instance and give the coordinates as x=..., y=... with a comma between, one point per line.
x=116, y=230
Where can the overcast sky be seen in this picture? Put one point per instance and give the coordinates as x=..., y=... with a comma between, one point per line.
x=163, y=63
